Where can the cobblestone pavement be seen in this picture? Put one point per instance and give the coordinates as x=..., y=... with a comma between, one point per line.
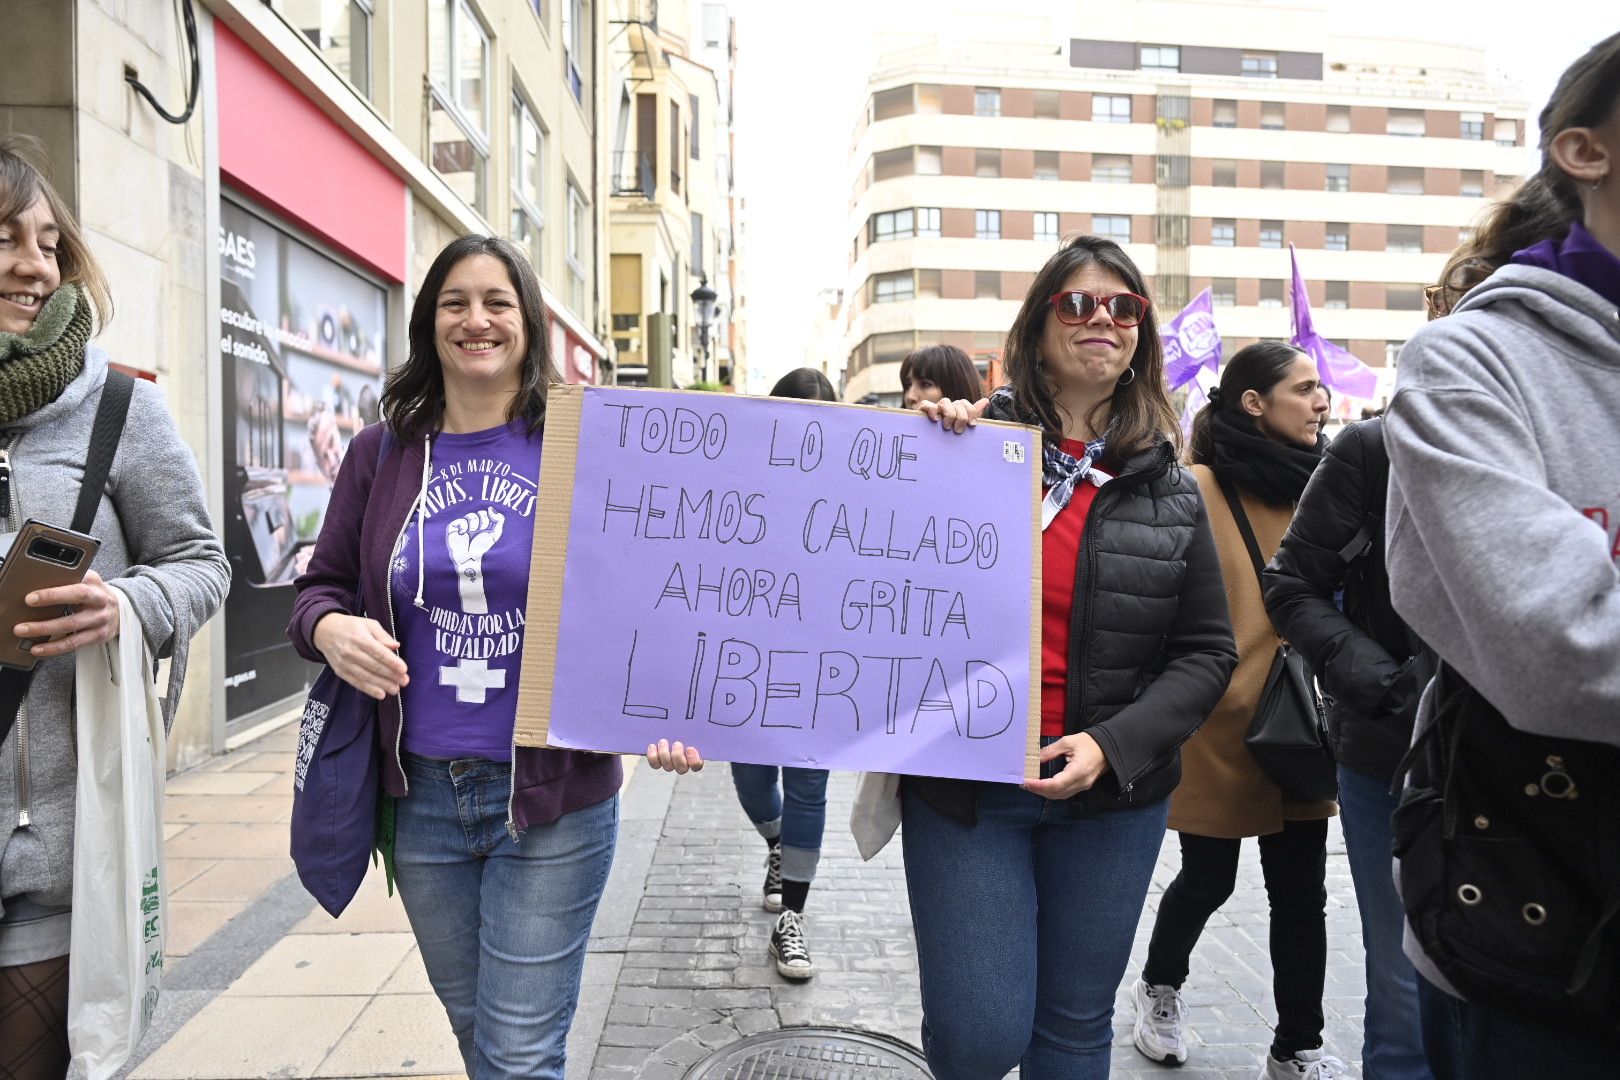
x=679, y=966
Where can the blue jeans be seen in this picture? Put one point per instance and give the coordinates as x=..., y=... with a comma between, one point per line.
x=502, y=924
x=1392, y=1047
x=1024, y=924
x=796, y=811
x=1472, y=1042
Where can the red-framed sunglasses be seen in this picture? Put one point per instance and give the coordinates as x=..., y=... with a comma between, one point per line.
x=1076, y=308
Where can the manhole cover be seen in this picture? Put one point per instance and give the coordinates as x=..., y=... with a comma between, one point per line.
x=813, y=1053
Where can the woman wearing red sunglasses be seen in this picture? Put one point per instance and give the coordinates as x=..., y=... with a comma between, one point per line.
x=1025, y=899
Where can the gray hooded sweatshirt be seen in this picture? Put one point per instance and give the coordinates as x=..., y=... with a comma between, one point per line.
x=158, y=547
x=1504, y=502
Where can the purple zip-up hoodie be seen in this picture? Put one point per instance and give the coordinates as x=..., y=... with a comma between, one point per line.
x=364, y=519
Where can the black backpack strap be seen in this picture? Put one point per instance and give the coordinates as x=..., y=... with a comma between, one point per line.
x=104, y=435
x=1229, y=489
x=1362, y=542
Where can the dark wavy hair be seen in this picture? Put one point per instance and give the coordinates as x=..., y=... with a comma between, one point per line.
x=1141, y=414
x=1258, y=367
x=1542, y=208
x=413, y=398
x=947, y=367
x=806, y=383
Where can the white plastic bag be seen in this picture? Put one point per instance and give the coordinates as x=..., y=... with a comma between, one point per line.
x=876, y=813
x=119, y=912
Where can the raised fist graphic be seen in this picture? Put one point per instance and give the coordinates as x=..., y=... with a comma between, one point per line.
x=469, y=539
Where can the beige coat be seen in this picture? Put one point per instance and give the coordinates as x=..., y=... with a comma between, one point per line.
x=1223, y=793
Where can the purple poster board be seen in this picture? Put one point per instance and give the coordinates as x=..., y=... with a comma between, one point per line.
x=784, y=582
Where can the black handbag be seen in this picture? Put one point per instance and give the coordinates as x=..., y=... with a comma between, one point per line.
x=1288, y=735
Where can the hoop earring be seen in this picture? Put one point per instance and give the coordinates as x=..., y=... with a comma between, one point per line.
x=1123, y=381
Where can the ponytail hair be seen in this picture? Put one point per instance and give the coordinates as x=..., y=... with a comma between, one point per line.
x=1258, y=367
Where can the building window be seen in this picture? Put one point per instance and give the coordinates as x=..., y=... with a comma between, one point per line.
x=675, y=147
x=888, y=288
x=928, y=222
x=1271, y=234
x=1111, y=108
x=1161, y=58
x=579, y=237
x=340, y=30
x=1338, y=178
x=1046, y=165
x=1271, y=292
x=1338, y=295
x=528, y=182
x=1272, y=117
x=1223, y=291
x=986, y=102
x=692, y=111
x=1225, y=115
x=986, y=162
x=695, y=257
x=1223, y=233
x=888, y=104
x=1504, y=183
x=1406, y=122
x=458, y=118
x=928, y=284
x=1507, y=133
x=1259, y=65
x=1338, y=118
x=1403, y=298
x=987, y=224
x=987, y=285
x=573, y=34
x=892, y=225
x=1115, y=227
x=1046, y=225
x=1271, y=175
x=889, y=164
x=1337, y=236
x=1223, y=172
x=1473, y=126
x=1404, y=180
x=1407, y=238
x=930, y=161
x=1473, y=183
x=1111, y=168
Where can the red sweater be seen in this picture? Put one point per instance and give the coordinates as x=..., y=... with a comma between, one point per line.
x=1060, y=551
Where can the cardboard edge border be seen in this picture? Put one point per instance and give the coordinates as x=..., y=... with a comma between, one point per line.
x=559, y=457
x=1032, y=743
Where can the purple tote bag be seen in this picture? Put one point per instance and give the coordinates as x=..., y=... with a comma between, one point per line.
x=335, y=784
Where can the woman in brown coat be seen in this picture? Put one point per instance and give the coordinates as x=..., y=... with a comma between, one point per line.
x=1261, y=435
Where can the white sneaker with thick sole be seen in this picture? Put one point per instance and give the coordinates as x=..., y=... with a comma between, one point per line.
x=1161, y=1023
x=1305, y=1065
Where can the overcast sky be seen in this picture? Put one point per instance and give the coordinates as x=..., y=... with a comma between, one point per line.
x=801, y=75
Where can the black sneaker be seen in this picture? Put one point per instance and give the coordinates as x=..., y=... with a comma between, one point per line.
x=773, y=880
x=787, y=946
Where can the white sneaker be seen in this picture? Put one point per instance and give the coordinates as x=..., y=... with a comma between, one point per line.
x=773, y=880
x=788, y=947
x=1161, y=1020
x=1305, y=1065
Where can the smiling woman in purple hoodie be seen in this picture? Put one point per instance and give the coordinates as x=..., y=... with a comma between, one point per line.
x=501, y=852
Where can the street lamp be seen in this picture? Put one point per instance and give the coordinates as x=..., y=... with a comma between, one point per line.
x=704, y=297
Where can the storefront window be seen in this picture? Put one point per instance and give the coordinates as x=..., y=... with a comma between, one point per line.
x=340, y=30
x=528, y=182
x=458, y=121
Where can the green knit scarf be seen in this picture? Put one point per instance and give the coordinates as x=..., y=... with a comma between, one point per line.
x=37, y=366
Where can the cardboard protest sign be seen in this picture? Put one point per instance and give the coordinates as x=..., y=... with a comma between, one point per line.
x=784, y=582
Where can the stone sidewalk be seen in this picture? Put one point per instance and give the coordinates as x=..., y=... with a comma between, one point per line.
x=262, y=983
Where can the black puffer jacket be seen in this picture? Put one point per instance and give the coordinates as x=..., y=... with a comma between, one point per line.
x=1150, y=644
x=1369, y=664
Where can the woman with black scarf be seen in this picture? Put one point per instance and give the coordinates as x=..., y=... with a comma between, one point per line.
x=1261, y=436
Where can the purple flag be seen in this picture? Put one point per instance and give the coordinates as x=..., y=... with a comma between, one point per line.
x=1190, y=341
x=1204, y=380
x=1340, y=370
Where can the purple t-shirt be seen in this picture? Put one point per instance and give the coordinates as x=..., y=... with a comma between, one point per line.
x=464, y=643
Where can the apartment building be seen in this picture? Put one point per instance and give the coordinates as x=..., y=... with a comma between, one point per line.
x=1203, y=137
x=265, y=245
x=675, y=214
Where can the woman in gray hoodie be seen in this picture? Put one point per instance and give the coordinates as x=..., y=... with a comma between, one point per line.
x=157, y=548
x=1504, y=535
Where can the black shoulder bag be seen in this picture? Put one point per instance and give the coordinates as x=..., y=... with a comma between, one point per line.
x=1509, y=848
x=1288, y=734
x=104, y=435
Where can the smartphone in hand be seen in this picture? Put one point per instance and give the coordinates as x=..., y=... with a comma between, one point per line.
x=42, y=557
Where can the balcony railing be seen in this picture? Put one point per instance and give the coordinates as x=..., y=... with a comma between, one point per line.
x=632, y=174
